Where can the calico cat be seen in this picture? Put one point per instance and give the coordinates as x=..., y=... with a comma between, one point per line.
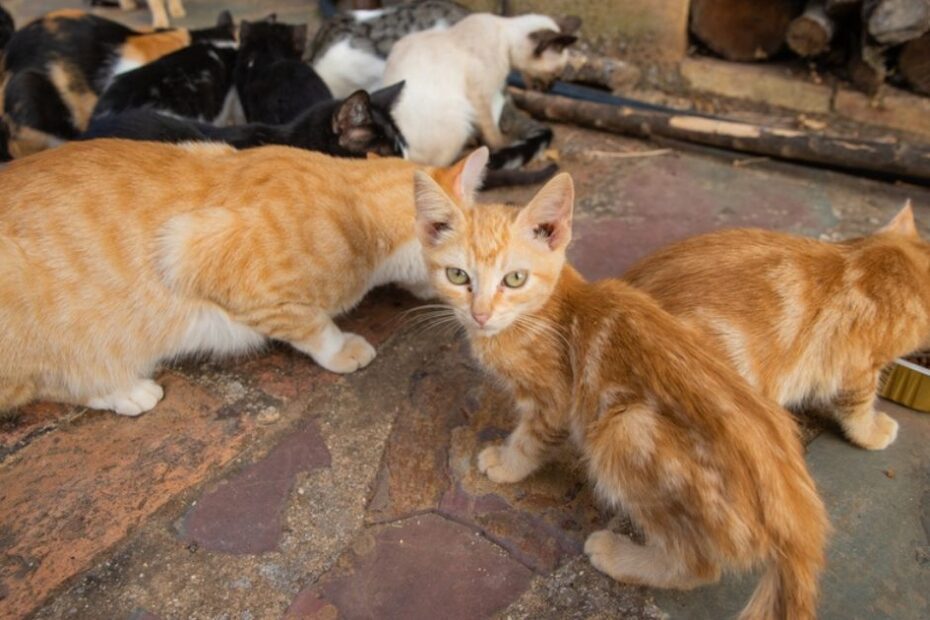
x=350, y=49
x=58, y=65
x=455, y=78
x=274, y=85
x=710, y=470
x=195, y=82
x=359, y=125
x=117, y=255
x=808, y=323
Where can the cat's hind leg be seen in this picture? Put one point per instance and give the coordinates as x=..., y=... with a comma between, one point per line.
x=854, y=409
x=134, y=400
x=624, y=560
x=15, y=392
x=525, y=450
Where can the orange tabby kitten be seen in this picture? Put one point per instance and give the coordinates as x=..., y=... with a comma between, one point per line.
x=712, y=472
x=116, y=255
x=804, y=321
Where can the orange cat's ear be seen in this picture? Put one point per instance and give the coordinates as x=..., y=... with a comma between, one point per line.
x=902, y=223
x=437, y=215
x=548, y=216
x=463, y=179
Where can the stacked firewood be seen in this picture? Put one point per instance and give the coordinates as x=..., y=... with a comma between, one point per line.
x=870, y=41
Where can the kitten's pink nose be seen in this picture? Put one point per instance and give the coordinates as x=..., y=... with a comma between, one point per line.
x=480, y=317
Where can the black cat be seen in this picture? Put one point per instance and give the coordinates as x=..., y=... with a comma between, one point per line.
x=274, y=85
x=6, y=29
x=60, y=63
x=195, y=82
x=353, y=127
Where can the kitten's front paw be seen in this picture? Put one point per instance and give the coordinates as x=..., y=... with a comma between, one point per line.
x=602, y=548
x=876, y=432
x=355, y=353
x=493, y=462
x=138, y=399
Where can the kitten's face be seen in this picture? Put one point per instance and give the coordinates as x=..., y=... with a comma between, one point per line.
x=542, y=56
x=494, y=264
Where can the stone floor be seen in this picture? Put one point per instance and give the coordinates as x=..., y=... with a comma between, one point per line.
x=265, y=487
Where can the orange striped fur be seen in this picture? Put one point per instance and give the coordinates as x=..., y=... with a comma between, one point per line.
x=116, y=255
x=710, y=470
x=808, y=323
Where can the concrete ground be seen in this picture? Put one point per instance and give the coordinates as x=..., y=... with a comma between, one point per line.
x=265, y=487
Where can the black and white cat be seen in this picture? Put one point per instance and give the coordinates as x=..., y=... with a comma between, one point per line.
x=353, y=127
x=274, y=85
x=195, y=82
x=59, y=64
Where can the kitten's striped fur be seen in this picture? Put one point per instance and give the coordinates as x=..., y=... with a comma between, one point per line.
x=710, y=470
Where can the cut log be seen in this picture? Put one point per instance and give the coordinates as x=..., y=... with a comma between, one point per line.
x=810, y=33
x=610, y=73
x=897, y=159
x=914, y=64
x=743, y=30
x=892, y=22
x=841, y=7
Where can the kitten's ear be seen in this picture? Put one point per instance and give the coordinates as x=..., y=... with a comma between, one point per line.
x=550, y=39
x=902, y=223
x=465, y=178
x=352, y=121
x=225, y=20
x=437, y=215
x=568, y=24
x=299, y=37
x=548, y=217
x=386, y=97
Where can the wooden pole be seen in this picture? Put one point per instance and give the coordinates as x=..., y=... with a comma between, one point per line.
x=893, y=159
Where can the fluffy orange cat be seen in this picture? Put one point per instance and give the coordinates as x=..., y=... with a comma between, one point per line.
x=804, y=321
x=711, y=471
x=116, y=255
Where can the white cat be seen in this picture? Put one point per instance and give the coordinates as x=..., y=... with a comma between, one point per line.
x=454, y=79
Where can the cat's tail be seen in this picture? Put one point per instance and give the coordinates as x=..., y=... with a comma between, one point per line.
x=521, y=153
x=788, y=589
x=509, y=178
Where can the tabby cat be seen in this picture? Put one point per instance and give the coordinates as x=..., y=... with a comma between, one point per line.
x=274, y=85
x=350, y=49
x=359, y=125
x=710, y=470
x=807, y=322
x=461, y=86
x=58, y=65
x=195, y=82
x=117, y=255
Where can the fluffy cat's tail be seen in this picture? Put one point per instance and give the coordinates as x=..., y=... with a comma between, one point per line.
x=522, y=152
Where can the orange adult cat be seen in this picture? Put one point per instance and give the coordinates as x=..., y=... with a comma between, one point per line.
x=116, y=255
x=712, y=472
x=804, y=321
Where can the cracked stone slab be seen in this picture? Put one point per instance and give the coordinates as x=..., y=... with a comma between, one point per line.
x=243, y=514
x=421, y=568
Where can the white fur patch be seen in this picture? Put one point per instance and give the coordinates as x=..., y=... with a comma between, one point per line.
x=211, y=330
x=367, y=16
x=232, y=112
x=124, y=65
x=346, y=69
x=404, y=266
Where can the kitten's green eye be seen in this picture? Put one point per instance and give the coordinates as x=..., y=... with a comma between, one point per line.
x=457, y=276
x=515, y=279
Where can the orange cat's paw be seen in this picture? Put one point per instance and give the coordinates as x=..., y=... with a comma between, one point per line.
x=602, y=548
x=138, y=399
x=876, y=432
x=355, y=353
x=496, y=462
